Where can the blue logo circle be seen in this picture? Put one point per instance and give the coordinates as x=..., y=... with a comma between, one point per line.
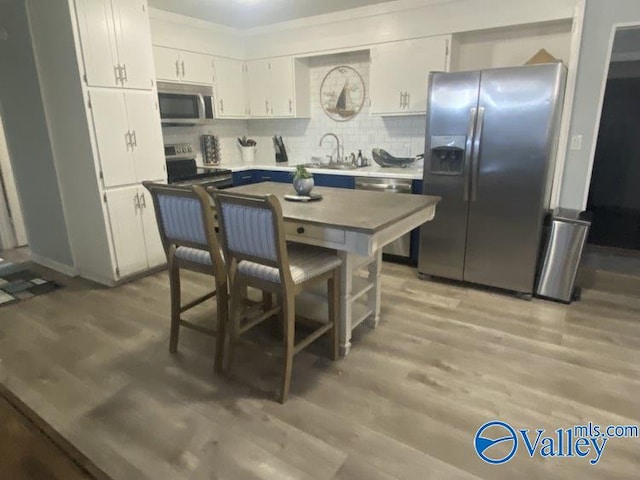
x=501, y=432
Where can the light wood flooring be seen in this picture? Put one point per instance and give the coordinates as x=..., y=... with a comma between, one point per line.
x=405, y=404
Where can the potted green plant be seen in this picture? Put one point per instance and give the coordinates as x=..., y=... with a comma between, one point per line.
x=302, y=181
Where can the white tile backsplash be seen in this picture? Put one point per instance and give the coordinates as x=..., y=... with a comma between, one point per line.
x=400, y=136
x=227, y=130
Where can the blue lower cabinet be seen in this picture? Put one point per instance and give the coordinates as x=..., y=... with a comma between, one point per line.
x=337, y=181
x=320, y=179
x=243, y=178
x=272, y=176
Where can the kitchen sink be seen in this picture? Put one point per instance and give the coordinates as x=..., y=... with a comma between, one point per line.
x=332, y=166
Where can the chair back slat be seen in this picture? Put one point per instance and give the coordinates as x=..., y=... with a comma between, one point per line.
x=250, y=231
x=185, y=219
x=182, y=220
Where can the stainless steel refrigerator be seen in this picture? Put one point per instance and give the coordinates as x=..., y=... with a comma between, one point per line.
x=490, y=151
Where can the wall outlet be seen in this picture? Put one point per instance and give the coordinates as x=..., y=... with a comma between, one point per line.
x=576, y=142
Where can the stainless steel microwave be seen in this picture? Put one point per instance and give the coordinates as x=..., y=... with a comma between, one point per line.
x=183, y=105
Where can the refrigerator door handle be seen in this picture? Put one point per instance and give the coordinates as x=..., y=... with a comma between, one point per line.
x=473, y=115
x=476, y=155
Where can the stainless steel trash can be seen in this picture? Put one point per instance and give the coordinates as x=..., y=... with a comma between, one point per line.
x=562, y=253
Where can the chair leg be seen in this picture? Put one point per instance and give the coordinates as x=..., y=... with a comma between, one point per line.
x=267, y=304
x=333, y=296
x=234, y=319
x=288, y=313
x=174, y=285
x=223, y=321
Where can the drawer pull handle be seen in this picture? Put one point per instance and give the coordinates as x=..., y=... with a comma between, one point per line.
x=300, y=230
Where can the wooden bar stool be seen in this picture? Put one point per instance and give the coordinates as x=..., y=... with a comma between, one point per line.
x=252, y=233
x=187, y=229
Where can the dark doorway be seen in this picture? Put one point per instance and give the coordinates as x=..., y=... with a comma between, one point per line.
x=614, y=196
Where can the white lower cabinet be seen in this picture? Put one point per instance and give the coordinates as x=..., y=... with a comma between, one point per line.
x=155, y=251
x=134, y=232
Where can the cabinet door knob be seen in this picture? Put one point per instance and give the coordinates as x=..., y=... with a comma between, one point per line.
x=124, y=74
x=183, y=69
x=300, y=230
x=116, y=72
x=127, y=140
x=401, y=98
x=221, y=105
x=177, y=68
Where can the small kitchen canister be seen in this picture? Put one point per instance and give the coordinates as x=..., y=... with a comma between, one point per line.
x=248, y=154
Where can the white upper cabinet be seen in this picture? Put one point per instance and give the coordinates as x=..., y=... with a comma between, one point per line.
x=116, y=43
x=133, y=39
x=259, y=88
x=196, y=68
x=167, y=63
x=278, y=87
x=230, y=88
x=399, y=73
x=128, y=136
x=282, y=87
x=181, y=66
x=98, y=37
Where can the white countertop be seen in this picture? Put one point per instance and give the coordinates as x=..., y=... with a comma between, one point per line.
x=412, y=173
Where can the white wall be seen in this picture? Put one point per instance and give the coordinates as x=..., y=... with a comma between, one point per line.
x=401, y=136
x=186, y=33
x=11, y=192
x=600, y=18
x=511, y=46
x=376, y=24
x=28, y=139
x=365, y=26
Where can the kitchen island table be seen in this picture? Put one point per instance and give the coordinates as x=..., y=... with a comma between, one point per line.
x=357, y=224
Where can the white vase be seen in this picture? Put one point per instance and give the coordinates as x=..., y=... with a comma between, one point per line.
x=248, y=154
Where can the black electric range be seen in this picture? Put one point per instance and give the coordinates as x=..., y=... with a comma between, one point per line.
x=183, y=170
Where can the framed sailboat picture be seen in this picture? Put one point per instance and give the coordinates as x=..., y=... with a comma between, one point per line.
x=342, y=93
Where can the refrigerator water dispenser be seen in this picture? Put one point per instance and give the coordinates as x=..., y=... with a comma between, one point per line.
x=447, y=154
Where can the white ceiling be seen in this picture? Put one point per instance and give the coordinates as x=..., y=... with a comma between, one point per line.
x=254, y=13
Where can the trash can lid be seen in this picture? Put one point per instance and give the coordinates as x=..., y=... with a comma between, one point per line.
x=572, y=216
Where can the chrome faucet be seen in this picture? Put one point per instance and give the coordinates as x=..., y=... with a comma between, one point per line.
x=339, y=159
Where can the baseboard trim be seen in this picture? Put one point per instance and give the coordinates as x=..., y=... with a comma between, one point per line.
x=53, y=265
